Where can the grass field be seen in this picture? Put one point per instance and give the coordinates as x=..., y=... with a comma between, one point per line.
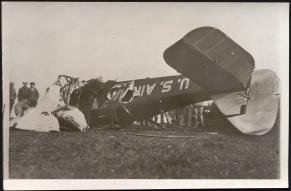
x=139, y=152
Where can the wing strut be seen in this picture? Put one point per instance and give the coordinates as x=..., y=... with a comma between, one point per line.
x=244, y=107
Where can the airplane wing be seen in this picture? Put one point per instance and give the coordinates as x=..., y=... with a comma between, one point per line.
x=211, y=59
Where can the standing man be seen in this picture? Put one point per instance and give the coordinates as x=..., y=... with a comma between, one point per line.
x=23, y=93
x=198, y=115
x=189, y=109
x=12, y=96
x=33, y=95
x=180, y=117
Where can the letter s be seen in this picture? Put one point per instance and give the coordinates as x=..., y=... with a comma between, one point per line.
x=167, y=86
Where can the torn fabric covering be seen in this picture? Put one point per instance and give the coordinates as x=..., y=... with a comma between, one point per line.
x=68, y=85
x=72, y=119
x=113, y=92
x=43, y=122
x=122, y=92
x=129, y=92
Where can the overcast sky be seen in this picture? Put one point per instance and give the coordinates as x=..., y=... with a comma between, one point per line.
x=126, y=40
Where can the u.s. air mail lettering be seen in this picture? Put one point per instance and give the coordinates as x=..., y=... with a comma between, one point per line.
x=146, y=87
x=165, y=86
x=152, y=88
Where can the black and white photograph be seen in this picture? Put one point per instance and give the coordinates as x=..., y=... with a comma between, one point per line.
x=150, y=95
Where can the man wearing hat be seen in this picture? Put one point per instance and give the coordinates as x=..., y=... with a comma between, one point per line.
x=23, y=93
x=33, y=95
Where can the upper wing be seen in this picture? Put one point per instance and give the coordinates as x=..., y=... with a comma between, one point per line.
x=211, y=59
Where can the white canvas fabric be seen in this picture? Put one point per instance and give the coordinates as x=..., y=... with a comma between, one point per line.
x=40, y=117
x=73, y=117
x=38, y=122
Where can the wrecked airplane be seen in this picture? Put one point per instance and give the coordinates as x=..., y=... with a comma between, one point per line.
x=212, y=66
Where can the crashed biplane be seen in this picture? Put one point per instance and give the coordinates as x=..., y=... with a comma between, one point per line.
x=213, y=67
x=216, y=68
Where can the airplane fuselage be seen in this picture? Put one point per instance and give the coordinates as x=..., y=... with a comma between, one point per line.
x=148, y=97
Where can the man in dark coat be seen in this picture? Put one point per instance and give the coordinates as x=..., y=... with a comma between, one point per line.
x=23, y=92
x=33, y=95
x=12, y=95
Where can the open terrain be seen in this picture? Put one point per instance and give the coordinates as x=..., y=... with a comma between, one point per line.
x=138, y=152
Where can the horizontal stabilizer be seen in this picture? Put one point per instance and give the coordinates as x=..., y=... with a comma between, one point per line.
x=211, y=59
x=262, y=106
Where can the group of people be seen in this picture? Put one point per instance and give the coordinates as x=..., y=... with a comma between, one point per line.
x=27, y=97
x=190, y=116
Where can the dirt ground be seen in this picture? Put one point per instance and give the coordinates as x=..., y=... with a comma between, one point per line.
x=137, y=152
